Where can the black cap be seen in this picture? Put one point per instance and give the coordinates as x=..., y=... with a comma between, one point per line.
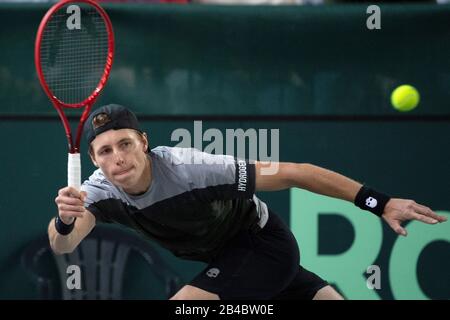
x=111, y=116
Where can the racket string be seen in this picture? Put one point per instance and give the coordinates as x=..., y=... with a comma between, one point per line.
x=74, y=60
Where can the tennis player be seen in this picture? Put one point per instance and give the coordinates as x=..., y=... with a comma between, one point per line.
x=207, y=210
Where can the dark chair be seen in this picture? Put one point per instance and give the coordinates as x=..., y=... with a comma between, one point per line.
x=102, y=257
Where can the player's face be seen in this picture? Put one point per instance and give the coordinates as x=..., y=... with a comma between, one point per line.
x=122, y=156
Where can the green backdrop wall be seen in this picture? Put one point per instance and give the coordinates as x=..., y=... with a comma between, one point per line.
x=315, y=73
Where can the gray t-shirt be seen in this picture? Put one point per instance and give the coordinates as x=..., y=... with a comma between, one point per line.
x=195, y=203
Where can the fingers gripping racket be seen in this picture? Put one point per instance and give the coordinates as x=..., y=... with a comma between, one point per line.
x=73, y=55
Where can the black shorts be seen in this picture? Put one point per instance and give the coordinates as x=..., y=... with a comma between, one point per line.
x=262, y=264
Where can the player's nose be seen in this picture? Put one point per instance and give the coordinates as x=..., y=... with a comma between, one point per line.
x=118, y=157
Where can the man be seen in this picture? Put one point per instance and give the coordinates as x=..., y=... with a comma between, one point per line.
x=207, y=211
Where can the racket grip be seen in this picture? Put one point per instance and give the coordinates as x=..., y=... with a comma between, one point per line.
x=74, y=171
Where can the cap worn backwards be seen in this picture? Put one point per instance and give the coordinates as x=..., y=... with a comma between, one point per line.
x=111, y=116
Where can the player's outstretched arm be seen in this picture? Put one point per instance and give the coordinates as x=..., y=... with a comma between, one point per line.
x=326, y=182
x=306, y=176
x=70, y=203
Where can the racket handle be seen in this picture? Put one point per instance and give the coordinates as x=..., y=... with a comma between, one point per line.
x=74, y=171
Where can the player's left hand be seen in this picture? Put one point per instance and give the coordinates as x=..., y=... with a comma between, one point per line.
x=397, y=211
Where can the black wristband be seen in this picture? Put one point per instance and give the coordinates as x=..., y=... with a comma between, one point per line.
x=371, y=200
x=62, y=228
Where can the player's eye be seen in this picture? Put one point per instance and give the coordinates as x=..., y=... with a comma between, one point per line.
x=126, y=144
x=104, y=151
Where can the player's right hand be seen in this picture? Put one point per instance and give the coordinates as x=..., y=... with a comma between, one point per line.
x=70, y=203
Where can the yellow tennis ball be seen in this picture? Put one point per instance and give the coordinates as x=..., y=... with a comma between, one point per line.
x=405, y=98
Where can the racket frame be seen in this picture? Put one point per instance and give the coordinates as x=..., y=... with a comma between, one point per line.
x=74, y=165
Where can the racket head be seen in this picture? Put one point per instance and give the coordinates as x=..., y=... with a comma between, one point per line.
x=74, y=54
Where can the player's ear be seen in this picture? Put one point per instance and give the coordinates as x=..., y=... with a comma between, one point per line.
x=145, y=141
x=91, y=155
x=95, y=163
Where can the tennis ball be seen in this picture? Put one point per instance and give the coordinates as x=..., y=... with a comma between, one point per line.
x=405, y=98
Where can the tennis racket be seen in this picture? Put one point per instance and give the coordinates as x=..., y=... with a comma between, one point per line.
x=74, y=52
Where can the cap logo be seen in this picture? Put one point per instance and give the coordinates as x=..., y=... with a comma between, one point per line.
x=100, y=120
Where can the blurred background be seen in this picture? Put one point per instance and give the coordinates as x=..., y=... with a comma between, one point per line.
x=311, y=69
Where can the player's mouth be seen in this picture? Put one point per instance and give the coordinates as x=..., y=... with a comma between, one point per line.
x=123, y=172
